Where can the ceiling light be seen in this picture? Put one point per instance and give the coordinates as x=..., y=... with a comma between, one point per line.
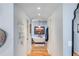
x=38, y=14
x=38, y=8
x=39, y=26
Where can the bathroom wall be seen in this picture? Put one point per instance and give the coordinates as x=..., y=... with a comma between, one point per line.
x=6, y=23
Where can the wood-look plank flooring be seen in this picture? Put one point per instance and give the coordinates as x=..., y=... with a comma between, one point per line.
x=39, y=51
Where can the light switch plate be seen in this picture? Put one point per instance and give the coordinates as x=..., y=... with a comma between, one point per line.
x=69, y=43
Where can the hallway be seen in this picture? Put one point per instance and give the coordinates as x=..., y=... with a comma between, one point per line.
x=39, y=29
x=39, y=24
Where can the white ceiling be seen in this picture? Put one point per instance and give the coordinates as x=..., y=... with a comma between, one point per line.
x=46, y=9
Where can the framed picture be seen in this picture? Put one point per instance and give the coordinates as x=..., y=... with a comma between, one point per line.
x=3, y=37
x=77, y=28
x=39, y=30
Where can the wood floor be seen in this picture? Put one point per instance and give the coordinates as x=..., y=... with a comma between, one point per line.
x=39, y=51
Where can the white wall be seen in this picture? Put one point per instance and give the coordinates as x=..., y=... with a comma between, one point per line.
x=55, y=43
x=68, y=10
x=66, y=40
x=20, y=43
x=6, y=23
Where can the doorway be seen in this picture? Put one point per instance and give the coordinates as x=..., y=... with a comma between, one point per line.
x=39, y=37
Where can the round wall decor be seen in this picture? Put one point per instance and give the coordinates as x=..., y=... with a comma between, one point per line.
x=3, y=37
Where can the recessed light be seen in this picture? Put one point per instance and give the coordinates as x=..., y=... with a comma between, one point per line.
x=38, y=14
x=39, y=26
x=38, y=8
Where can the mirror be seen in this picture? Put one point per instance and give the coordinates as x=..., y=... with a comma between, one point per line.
x=75, y=32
